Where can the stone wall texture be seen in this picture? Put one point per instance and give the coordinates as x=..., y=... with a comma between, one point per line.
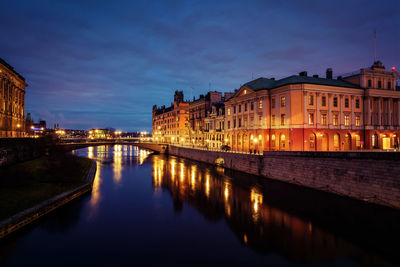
x=368, y=176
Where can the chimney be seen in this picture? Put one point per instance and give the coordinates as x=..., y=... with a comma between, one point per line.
x=303, y=73
x=329, y=73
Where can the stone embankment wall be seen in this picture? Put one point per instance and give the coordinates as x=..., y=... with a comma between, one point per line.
x=14, y=150
x=160, y=148
x=369, y=176
x=30, y=215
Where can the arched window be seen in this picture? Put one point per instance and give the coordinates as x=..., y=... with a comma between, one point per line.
x=375, y=142
x=336, y=141
x=273, y=141
x=312, y=141
x=283, y=139
x=358, y=143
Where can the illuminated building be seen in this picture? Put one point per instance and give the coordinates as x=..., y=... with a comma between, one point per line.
x=214, y=126
x=170, y=125
x=303, y=113
x=12, y=101
x=100, y=133
x=199, y=109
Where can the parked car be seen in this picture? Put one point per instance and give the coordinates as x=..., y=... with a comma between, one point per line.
x=225, y=148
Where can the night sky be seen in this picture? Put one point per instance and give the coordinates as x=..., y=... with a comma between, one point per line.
x=105, y=63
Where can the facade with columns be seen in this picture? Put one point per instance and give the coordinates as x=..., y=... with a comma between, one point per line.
x=303, y=113
x=12, y=102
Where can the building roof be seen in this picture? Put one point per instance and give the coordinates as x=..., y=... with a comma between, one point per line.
x=11, y=68
x=264, y=83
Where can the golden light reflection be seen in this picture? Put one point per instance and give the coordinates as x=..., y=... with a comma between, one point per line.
x=173, y=164
x=207, y=185
x=90, y=152
x=117, y=164
x=182, y=172
x=193, y=178
x=158, y=173
x=143, y=154
x=95, y=196
x=257, y=200
x=226, y=191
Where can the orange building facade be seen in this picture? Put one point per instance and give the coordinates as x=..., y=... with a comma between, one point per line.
x=171, y=125
x=12, y=102
x=303, y=113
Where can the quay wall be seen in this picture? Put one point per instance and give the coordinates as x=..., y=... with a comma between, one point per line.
x=160, y=148
x=14, y=150
x=368, y=176
x=30, y=215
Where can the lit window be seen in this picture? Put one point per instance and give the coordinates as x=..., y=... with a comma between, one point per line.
x=357, y=120
x=323, y=119
x=229, y=112
x=311, y=100
x=335, y=120
x=358, y=143
x=260, y=104
x=245, y=92
x=273, y=120
x=283, y=101
x=273, y=141
x=346, y=120
x=283, y=139
x=312, y=141
x=310, y=118
x=336, y=141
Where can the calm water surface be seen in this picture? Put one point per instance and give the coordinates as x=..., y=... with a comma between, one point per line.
x=156, y=210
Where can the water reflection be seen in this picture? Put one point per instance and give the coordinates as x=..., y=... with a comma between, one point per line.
x=257, y=224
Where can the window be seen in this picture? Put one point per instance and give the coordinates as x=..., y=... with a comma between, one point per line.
x=357, y=103
x=273, y=141
x=282, y=119
x=336, y=141
x=240, y=122
x=283, y=101
x=335, y=120
x=312, y=141
x=283, y=139
x=240, y=108
x=310, y=118
x=252, y=106
x=311, y=100
x=251, y=121
x=260, y=105
x=245, y=107
x=357, y=120
x=234, y=109
x=260, y=120
x=234, y=123
x=389, y=85
x=229, y=111
x=358, y=143
x=245, y=91
x=379, y=84
x=273, y=102
x=346, y=120
x=323, y=119
x=323, y=101
x=346, y=102
x=229, y=124
x=273, y=120
x=335, y=102
x=369, y=83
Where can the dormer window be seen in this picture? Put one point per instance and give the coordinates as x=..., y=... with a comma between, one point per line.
x=245, y=91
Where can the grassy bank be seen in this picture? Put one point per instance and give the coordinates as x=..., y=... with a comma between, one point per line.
x=26, y=184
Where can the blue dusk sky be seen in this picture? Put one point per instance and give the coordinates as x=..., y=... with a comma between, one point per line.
x=105, y=63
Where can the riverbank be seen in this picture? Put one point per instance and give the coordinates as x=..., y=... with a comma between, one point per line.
x=33, y=188
x=367, y=176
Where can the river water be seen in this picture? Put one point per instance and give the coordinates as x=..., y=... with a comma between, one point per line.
x=156, y=210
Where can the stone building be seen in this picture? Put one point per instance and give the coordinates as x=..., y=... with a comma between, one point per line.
x=304, y=113
x=215, y=126
x=171, y=125
x=198, y=111
x=12, y=102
